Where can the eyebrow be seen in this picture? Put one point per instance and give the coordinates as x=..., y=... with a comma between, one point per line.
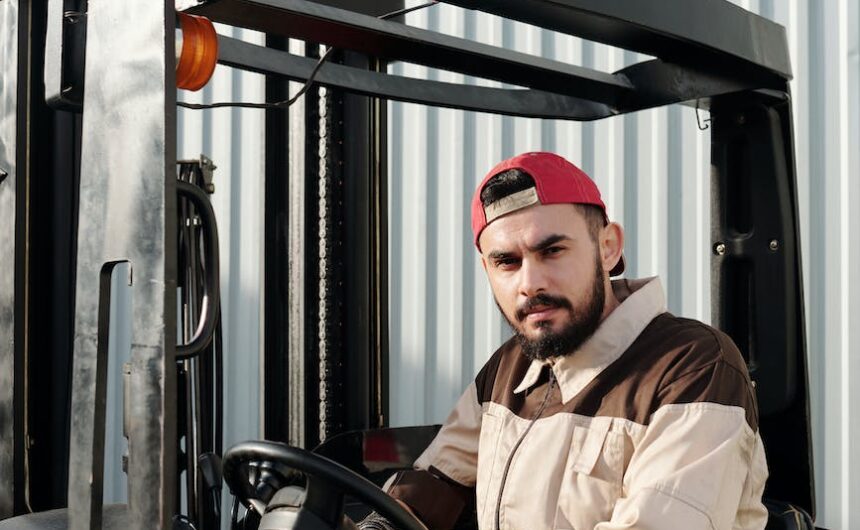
x=548, y=241
x=542, y=244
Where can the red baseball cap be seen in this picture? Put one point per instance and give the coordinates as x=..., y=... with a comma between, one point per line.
x=557, y=181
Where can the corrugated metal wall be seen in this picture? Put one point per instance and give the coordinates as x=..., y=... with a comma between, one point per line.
x=653, y=170
x=233, y=139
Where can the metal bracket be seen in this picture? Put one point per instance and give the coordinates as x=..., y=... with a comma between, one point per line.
x=207, y=167
x=702, y=124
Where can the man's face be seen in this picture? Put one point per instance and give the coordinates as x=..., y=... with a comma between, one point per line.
x=547, y=276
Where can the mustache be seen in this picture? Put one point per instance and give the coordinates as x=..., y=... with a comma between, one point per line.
x=542, y=299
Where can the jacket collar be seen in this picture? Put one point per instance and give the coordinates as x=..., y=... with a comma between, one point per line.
x=641, y=301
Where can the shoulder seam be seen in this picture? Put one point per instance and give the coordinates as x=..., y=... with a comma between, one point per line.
x=747, y=380
x=720, y=356
x=721, y=360
x=691, y=371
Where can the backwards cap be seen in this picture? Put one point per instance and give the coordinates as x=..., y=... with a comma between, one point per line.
x=557, y=181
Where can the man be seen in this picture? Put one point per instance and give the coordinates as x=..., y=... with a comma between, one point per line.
x=603, y=411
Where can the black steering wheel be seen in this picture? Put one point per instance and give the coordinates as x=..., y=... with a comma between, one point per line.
x=327, y=482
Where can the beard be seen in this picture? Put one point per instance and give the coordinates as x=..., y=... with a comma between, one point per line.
x=579, y=327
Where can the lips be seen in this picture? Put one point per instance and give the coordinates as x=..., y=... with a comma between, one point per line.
x=541, y=307
x=539, y=312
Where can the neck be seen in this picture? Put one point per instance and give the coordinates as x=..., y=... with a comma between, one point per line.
x=611, y=301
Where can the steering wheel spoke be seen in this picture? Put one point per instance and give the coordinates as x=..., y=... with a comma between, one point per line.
x=255, y=471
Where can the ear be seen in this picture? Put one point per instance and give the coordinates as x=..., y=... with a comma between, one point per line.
x=611, y=245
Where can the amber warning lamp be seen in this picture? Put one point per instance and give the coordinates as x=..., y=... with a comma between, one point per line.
x=199, y=51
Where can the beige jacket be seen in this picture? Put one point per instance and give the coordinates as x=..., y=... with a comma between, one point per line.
x=651, y=424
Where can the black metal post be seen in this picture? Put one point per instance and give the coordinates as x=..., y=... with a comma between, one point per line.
x=52, y=239
x=276, y=258
x=365, y=249
x=757, y=288
x=326, y=280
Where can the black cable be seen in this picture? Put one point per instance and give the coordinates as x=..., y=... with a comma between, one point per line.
x=209, y=402
x=537, y=415
x=306, y=86
x=277, y=105
x=406, y=10
x=218, y=350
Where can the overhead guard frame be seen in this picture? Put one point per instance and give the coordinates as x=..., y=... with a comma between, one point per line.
x=709, y=53
x=756, y=56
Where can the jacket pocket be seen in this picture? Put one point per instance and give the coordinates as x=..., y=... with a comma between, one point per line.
x=592, y=481
x=600, y=452
x=488, y=445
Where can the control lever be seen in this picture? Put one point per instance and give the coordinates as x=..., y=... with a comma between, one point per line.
x=209, y=465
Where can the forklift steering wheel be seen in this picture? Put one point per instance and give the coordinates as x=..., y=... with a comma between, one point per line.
x=327, y=482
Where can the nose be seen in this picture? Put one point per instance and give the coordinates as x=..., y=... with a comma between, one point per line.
x=533, y=278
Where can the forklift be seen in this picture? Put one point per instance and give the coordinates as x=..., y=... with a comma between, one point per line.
x=90, y=185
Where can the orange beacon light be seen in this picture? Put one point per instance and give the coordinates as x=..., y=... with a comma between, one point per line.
x=199, y=52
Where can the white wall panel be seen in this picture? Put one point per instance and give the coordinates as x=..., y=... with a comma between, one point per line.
x=653, y=169
x=233, y=139
x=635, y=160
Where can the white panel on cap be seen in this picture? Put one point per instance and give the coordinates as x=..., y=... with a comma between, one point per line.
x=511, y=203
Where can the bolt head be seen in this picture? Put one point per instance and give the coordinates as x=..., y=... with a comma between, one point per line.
x=720, y=249
x=773, y=245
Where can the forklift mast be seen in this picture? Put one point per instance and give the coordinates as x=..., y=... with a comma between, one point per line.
x=88, y=182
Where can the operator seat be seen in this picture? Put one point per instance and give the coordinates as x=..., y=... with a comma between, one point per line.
x=784, y=516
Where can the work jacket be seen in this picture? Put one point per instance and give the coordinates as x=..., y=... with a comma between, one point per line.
x=651, y=424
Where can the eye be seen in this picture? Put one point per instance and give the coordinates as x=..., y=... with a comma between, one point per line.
x=549, y=251
x=507, y=263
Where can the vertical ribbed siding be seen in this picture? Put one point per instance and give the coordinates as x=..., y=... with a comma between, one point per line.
x=850, y=471
x=830, y=177
x=444, y=323
x=233, y=139
x=653, y=169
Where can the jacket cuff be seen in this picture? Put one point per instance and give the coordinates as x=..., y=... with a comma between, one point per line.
x=436, y=500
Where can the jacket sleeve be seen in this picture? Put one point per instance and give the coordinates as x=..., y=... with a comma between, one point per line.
x=442, y=484
x=700, y=463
